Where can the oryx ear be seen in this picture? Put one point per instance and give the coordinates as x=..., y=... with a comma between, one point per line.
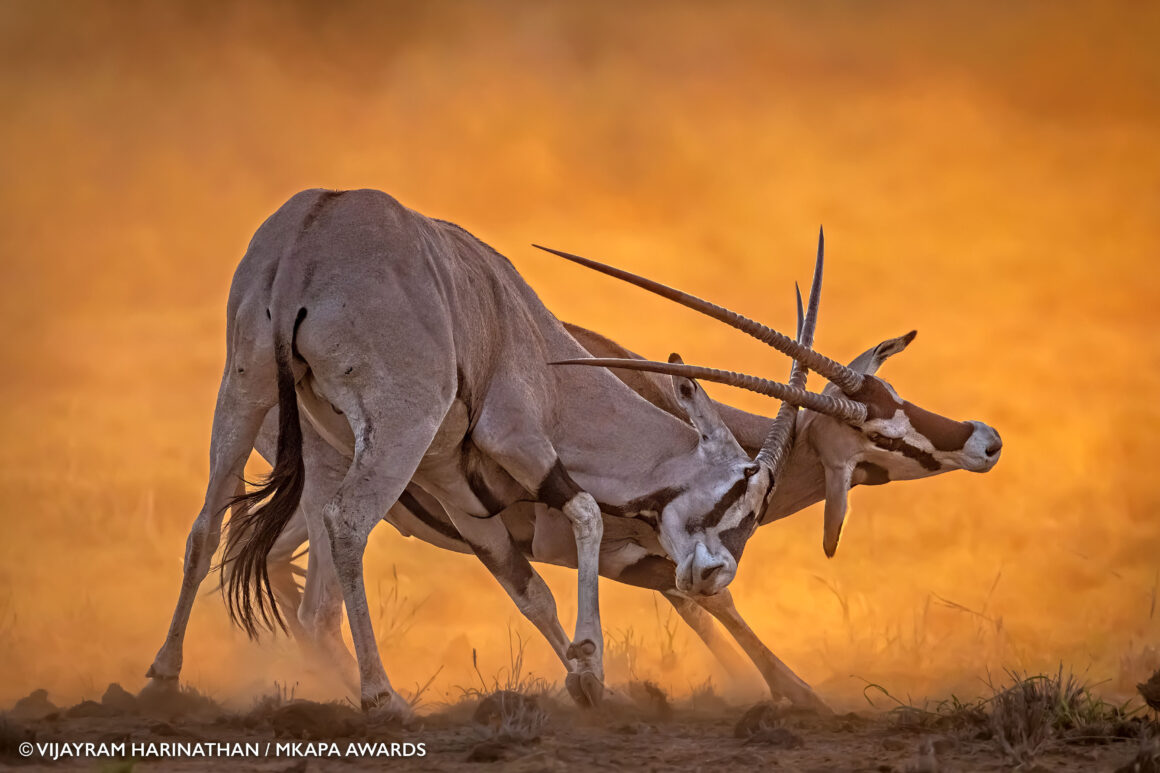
x=871, y=360
x=699, y=408
x=837, y=488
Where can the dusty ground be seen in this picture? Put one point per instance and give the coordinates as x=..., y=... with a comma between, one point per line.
x=540, y=734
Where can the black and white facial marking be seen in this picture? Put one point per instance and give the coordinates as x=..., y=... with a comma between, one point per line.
x=704, y=523
x=897, y=441
x=909, y=442
x=705, y=528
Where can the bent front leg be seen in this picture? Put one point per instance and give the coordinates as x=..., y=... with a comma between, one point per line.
x=528, y=456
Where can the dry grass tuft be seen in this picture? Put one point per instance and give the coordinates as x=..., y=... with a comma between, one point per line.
x=511, y=706
x=396, y=613
x=649, y=697
x=511, y=717
x=1025, y=716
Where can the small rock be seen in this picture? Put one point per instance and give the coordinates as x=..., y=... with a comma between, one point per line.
x=762, y=716
x=120, y=700
x=492, y=709
x=87, y=709
x=35, y=705
x=312, y=721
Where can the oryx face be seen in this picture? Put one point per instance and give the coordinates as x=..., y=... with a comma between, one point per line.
x=705, y=526
x=896, y=440
x=861, y=429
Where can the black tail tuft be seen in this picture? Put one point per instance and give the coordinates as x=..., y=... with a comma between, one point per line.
x=259, y=516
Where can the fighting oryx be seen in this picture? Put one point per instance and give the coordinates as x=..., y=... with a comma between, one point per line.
x=427, y=351
x=630, y=551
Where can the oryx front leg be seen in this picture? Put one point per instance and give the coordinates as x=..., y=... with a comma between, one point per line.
x=586, y=683
x=514, y=440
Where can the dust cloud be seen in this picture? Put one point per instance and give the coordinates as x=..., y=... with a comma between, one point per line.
x=987, y=175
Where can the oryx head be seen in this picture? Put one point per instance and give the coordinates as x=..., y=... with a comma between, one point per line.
x=704, y=524
x=880, y=437
x=864, y=432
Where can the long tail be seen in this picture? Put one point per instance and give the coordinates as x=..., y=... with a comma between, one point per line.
x=258, y=517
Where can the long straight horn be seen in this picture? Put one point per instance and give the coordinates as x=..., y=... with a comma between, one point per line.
x=838, y=407
x=850, y=381
x=775, y=449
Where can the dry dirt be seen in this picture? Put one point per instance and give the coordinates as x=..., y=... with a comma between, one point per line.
x=646, y=735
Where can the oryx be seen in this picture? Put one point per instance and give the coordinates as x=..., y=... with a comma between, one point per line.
x=423, y=351
x=630, y=551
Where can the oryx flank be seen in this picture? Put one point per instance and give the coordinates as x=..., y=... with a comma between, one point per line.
x=421, y=352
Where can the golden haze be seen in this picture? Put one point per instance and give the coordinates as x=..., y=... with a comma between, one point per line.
x=987, y=176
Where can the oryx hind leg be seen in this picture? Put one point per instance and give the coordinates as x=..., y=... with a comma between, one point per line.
x=657, y=573
x=707, y=631
x=390, y=441
x=778, y=677
x=237, y=417
x=284, y=574
x=313, y=614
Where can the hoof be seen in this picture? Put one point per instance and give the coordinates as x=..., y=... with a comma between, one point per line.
x=586, y=689
x=156, y=677
x=159, y=686
x=388, y=708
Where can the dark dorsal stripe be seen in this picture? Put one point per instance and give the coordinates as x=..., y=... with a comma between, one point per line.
x=872, y=474
x=320, y=203
x=943, y=433
x=653, y=572
x=557, y=487
x=429, y=519
x=714, y=516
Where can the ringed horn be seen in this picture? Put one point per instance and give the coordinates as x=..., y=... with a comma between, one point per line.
x=849, y=381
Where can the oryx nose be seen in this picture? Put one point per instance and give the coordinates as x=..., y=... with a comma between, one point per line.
x=995, y=447
x=707, y=572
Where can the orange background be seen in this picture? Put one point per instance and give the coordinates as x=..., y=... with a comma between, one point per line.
x=989, y=175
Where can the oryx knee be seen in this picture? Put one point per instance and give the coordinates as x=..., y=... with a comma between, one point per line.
x=584, y=514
